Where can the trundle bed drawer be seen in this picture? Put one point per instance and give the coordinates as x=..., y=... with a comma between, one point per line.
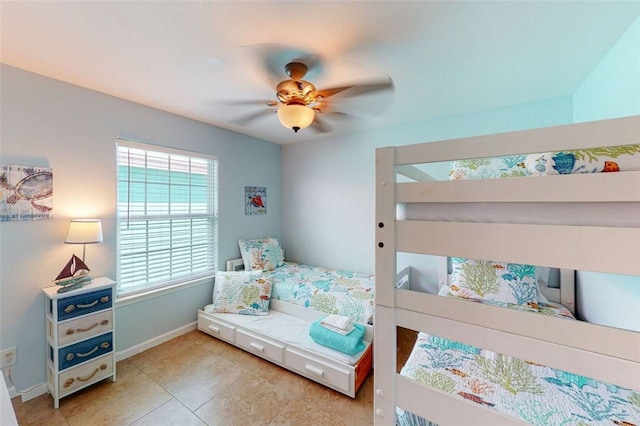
x=265, y=348
x=217, y=329
x=330, y=374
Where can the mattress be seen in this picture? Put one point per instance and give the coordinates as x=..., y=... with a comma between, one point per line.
x=532, y=392
x=288, y=329
x=331, y=291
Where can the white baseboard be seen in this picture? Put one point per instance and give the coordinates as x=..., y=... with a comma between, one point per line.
x=34, y=392
x=134, y=350
x=42, y=389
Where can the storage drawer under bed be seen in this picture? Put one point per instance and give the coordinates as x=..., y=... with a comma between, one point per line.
x=217, y=329
x=260, y=346
x=330, y=374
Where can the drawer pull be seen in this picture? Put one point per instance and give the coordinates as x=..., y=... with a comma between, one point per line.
x=88, y=305
x=257, y=347
x=86, y=354
x=314, y=370
x=104, y=345
x=86, y=379
x=103, y=299
x=82, y=330
x=70, y=381
x=214, y=329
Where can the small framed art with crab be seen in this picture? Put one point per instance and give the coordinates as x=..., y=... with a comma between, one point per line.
x=255, y=200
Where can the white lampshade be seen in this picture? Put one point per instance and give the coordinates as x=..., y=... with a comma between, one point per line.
x=84, y=231
x=295, y=116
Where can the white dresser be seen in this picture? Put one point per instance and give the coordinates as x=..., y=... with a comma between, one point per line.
x=80, y=337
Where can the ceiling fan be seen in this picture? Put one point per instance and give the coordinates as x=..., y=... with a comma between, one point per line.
x=299, y=102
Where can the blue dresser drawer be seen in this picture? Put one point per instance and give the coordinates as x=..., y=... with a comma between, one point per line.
x=82, y=304
x=85, y=350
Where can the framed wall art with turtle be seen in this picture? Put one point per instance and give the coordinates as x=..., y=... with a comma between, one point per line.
x=26, y=193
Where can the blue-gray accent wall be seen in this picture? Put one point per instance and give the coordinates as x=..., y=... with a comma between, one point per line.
x=73, y=130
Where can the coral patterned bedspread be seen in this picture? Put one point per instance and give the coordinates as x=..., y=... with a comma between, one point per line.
x=534, y=393
x=331, y=291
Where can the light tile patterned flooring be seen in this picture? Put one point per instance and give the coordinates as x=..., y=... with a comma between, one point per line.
x=196, y=379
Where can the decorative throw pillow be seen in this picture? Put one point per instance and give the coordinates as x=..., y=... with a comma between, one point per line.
x=489, y=168
x=501, y=282
x=245, y=293
x=262, y=254
x=590, y=160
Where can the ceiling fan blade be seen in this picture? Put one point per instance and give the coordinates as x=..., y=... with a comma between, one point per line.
x=320, y=126
x=320, y=122
x=236, y=102
x=248, y=118
x=273, y=57
x=357, y=89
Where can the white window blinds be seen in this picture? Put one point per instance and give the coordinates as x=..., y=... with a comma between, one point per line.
x=167, y=216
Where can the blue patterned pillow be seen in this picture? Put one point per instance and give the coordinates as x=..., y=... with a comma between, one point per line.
x=262, y=254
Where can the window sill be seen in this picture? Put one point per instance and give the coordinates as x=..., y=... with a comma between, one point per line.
x=151, y=294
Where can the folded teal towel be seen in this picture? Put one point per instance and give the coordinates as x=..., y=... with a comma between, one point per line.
x=350, y=344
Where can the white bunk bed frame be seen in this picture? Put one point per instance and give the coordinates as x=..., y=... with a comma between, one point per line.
x=603, y=353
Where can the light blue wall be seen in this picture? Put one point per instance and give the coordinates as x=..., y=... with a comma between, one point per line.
x=613, y=87
x=73, y=130
x=329, y=187
x=611, y=90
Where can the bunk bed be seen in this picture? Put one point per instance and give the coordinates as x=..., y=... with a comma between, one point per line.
x=301, y=294
x=598, y=230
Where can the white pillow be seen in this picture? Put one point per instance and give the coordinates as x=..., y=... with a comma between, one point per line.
x=500, y=282
x=246, y=293
x=263, y=254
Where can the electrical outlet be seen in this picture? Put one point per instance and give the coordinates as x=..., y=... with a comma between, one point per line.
x=8, y=357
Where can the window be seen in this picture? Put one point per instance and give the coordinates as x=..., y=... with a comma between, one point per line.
x=167, y=216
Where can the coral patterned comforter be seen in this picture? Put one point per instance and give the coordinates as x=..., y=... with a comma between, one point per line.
x=331, y=291
x=534, y=393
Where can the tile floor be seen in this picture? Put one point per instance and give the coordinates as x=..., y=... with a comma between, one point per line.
x=195, y=379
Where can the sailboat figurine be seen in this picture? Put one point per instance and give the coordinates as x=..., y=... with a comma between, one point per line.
x=74, y=275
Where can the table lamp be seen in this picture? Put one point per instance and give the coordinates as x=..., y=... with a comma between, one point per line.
x=84, y=231
x=75, y=274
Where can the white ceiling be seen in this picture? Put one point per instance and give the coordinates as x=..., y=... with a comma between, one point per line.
x=194, y=58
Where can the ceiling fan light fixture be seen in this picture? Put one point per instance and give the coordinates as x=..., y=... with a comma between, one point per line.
x=295, y=116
